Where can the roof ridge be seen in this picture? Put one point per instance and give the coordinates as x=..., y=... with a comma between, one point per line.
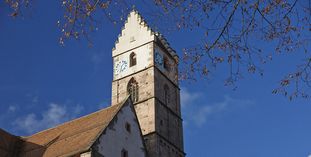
x=72, y=120
x=90, y=132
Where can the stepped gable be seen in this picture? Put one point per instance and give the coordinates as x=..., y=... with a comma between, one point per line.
x=134, y=19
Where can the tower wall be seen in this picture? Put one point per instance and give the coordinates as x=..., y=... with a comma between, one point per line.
x=145, y=108
x=144, y=60
x=159, y=119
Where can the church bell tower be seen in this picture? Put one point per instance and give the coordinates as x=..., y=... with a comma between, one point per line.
x=146, y=68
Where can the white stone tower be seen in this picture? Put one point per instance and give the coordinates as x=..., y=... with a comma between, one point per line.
x=147, y=68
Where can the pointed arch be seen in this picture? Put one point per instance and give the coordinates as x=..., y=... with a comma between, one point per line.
x=133, y=60
x=166, y=94
x=132, y=89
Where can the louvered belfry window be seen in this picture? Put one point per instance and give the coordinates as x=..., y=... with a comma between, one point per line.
x=132, y=89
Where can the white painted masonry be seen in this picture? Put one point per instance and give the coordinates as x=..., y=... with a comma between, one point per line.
x=116, y=137
x=135, y=37
x=87, y=154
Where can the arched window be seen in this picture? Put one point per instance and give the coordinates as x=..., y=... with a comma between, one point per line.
x=166, y=94
x=132, y=89
x=132, y=59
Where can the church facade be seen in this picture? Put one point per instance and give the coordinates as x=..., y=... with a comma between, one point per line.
x=144, y=119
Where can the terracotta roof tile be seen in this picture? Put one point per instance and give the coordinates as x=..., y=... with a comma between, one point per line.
x=70, y=138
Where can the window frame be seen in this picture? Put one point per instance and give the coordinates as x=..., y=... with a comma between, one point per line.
x=133, y=89
x=133, y=59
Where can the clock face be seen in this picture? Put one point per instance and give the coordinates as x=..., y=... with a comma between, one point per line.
x=120, y=67
x=158, y=59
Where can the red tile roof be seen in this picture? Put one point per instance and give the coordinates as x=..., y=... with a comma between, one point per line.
x=70, y=138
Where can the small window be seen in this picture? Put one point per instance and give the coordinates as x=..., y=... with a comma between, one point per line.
x=128, y=127
x=166, y=64
x=124, y=153
x=132, y=39
x=132, y=59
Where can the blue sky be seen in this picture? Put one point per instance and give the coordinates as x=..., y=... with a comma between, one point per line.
x=43, y=84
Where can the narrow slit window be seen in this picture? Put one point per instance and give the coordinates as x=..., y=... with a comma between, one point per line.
x=166, y=64
x=128, y=127
x=124, y=153
x=166, y=94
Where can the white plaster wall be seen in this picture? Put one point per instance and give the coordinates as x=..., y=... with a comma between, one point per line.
x=116, y=138
x=144, y=59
